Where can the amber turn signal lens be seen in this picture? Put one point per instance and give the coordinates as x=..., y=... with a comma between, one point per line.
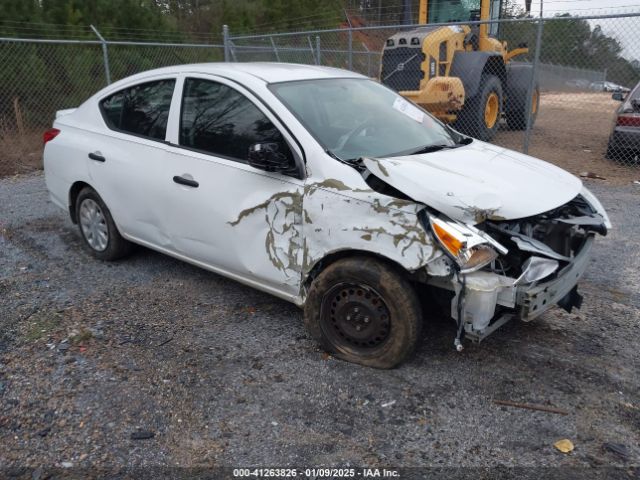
x=448, y=241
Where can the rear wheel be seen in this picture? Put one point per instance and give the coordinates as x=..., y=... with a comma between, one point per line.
x=363, y=311
x=98, y=230
x=516, y=114
x=481, y=114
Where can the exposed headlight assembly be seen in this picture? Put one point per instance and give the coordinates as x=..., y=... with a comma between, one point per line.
x=469, y=247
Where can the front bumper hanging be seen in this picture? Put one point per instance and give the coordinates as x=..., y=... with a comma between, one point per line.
x=537, y=299
x=485, y=291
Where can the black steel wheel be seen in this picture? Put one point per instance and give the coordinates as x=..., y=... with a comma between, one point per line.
x=364, y=310
x=355, y=316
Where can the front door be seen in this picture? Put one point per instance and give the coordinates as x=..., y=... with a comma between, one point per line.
x=217, y=209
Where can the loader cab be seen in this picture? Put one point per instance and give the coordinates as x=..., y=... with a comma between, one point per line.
x=447, y=11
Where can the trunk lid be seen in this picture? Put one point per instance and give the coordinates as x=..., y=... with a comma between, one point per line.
x=62, y=113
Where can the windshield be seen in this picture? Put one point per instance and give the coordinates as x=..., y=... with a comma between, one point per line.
x=353, y=117
x=445, y=11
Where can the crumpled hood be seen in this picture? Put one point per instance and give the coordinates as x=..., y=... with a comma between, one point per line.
x=478, y=181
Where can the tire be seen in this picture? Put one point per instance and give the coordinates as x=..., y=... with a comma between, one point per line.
x=477, y=119
x=516, y=114
x=363, y=311
x=98, y=230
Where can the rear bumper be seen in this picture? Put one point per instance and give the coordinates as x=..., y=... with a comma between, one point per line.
x=535, y=300
x=57, y=187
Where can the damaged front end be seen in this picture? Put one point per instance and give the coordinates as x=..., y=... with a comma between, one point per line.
x=522, y=267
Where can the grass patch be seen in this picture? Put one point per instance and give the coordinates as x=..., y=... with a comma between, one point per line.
x=42, y=324
x=21, y=151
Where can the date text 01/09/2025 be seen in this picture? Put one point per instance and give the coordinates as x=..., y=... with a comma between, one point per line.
x=316, y=473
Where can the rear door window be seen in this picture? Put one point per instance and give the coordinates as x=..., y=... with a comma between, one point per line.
x=219, y=120
x=141, y=110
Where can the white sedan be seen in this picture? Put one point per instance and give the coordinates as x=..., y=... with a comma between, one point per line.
x=328, y=190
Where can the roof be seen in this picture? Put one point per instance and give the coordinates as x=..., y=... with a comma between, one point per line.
x=269, y=72
x=278, y=72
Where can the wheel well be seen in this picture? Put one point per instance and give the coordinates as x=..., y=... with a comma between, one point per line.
x=73, y=196
x=333, y=257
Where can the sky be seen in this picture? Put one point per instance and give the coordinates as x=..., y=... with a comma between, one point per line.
x=584, y=7
x=626, y=30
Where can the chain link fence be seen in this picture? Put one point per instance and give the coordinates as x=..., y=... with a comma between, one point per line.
x=41, y=76
x=551, y=93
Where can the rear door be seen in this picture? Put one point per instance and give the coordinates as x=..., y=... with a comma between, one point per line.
x=124, y=160
x=216, y=208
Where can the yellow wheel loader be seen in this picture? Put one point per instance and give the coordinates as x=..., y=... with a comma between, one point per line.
x=461, y=73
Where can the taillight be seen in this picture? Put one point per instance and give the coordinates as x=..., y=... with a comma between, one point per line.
x=50, y=134
x=628, y=120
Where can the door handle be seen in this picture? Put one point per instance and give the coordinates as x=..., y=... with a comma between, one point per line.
x=186, y=181
x=97, y=157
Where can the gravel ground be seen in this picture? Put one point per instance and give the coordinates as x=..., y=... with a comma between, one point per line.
x=219, y=374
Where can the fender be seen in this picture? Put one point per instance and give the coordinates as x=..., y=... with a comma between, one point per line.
x=469, y=67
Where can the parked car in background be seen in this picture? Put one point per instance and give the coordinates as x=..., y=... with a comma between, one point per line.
x=329, y=190
x=578, y=83
x=614, y=87
x=597, y=86
x=624, y=141
x=608, y=87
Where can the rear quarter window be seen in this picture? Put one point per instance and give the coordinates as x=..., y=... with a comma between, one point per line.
x=141, y=110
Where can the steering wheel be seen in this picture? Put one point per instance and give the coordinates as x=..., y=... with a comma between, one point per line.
x=350, y=135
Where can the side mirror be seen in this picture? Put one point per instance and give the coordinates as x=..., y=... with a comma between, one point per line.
x=619, y=96
x=270, y=157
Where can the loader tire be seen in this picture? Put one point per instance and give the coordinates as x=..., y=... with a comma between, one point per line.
x=516, y=114
x=481, y=114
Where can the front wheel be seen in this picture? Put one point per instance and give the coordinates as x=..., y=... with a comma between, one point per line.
x=481, y=114
x=516, y=114
x=363, y=311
